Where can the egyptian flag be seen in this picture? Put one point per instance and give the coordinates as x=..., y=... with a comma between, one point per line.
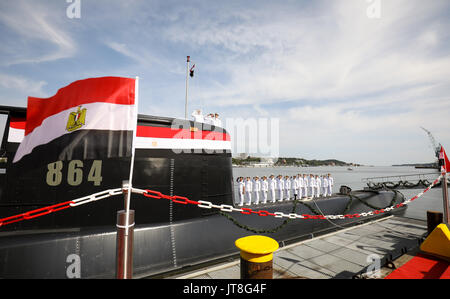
x=88, y=119
x=443, y=156
x=16, y=129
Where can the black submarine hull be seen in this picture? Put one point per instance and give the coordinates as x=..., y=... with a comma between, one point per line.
x=81, y=241
x=163, y=247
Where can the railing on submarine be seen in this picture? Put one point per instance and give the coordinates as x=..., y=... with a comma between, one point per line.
x=402, y=181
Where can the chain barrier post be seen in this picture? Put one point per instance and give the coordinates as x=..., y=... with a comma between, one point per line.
x=438, y=241
x=257, y=256
x=124, y=241
x=446, y=218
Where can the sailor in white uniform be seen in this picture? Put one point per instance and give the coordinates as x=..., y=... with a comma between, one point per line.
x=330, y=185
x=305, y=185
x=241, y=190
x=257, y=185
x=295, y=186
x=280, y=185
x=209, y=119
x=198, y=116
x=325, y=185
x=299, y=186
x=273, y=185
x=264, y=188
x=217, y=121
x=287, y=187
x=318, y=186
x=248, y=190
x=312, y=185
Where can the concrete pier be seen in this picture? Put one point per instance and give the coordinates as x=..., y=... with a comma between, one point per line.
x=355, y=252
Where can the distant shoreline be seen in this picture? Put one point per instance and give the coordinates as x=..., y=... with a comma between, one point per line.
x=285, y=162
x=257, y=162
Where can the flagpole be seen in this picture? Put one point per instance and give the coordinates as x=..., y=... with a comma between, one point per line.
x=133, y=148
x=187, y=80
x=125, y=248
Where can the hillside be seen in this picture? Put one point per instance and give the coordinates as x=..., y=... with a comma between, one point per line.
x=286, y=161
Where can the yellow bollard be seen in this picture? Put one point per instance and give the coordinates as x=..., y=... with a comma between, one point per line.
x=257, y=256
x=438, y=242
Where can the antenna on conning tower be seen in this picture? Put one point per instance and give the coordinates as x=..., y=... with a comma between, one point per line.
x=436, y=146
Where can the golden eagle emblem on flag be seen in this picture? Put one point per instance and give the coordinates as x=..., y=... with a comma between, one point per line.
x=76, y=119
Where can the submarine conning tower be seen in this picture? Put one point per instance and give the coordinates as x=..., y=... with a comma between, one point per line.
x=173, y=156
x=183, y=157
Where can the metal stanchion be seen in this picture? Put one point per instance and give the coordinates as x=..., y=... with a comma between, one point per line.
x=124, y=241
x=446, y=218
x=124, y=252
x=442, y=158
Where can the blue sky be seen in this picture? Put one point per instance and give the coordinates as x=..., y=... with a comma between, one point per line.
x=343, y=84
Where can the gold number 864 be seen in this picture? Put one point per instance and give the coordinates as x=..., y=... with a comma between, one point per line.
x=74, y=173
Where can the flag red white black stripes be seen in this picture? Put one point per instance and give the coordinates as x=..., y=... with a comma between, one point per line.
x=148, y=137
x=94, y=105
x=443, y=156
x=16, y=129
x=152, y=137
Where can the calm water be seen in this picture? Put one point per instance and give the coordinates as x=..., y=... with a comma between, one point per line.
x=432, y=200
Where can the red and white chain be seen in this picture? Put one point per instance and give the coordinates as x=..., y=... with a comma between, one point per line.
x=201, y=204
x=96, y=196
x=60, y=206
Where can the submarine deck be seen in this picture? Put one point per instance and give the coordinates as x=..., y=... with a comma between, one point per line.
x=347, y=253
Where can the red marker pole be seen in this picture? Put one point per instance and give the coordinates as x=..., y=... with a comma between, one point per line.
x=442, y=161
x=446, y=218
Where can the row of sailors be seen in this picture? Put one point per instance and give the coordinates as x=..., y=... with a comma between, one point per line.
x=303, y=186
x=210, y=119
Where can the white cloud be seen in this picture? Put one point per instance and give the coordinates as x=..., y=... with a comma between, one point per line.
x=330, y=73
x=339, y=53
x=21, y=83
x=345, y=83
x=15, y=89
x=124, y=50
x=34, y=25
